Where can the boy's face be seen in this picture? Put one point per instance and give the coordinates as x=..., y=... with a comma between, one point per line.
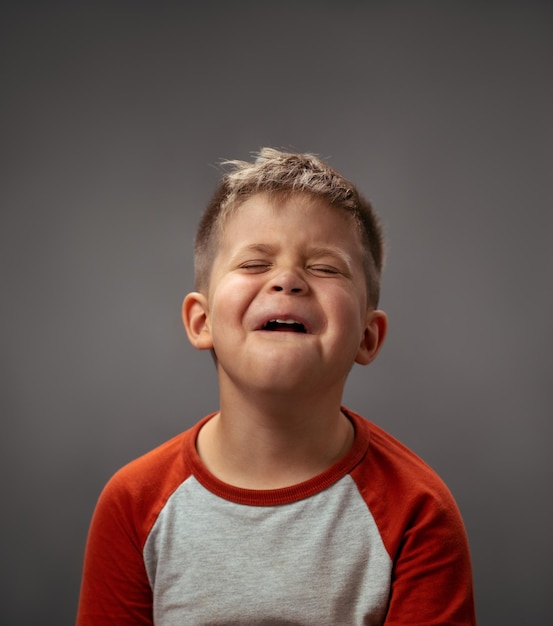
x=286, y=307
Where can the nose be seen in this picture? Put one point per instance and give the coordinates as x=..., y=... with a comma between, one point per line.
x=290, y=282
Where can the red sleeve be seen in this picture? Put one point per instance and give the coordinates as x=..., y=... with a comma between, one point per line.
x=431, y=576
x=115, y=587
x=424, y=535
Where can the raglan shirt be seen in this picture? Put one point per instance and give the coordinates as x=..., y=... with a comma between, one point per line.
x=375, y=539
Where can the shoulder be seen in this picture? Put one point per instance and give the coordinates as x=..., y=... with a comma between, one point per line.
x=158, y=465
x=137, y=492
x=401, y=490
x=391, y=463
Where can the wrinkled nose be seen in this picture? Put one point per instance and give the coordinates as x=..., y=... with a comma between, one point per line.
x=289, y=282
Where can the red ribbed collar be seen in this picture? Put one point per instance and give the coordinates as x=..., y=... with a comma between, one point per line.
x=285, y=495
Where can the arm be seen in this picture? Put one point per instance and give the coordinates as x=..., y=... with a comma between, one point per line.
x=422, y=530
x=115, y=587
x=432, y=579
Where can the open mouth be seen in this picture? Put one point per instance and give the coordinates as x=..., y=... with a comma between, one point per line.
x=290, y=326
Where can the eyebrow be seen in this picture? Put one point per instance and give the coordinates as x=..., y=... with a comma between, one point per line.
x=264, y=248
x=254, y=248
x=313, y=253
x=323, y=251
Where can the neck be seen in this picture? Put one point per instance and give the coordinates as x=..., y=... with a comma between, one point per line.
x=273, y=442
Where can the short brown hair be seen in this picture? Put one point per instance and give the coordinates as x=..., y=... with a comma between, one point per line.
x=282, y=173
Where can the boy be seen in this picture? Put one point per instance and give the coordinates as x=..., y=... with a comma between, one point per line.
x=283, y=507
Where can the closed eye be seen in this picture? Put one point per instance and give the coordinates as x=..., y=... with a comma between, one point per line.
x=255, y=266
x=324, y=270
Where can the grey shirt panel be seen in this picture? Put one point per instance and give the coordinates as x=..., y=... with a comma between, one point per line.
x=318, y=561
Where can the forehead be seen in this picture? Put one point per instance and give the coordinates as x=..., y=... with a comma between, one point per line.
x=296, y=215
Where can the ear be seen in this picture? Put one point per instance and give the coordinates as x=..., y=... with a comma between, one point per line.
x=195, y=317
x=373, y=337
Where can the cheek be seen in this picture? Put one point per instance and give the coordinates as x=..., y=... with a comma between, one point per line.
x=347, y=306
x=230, y=301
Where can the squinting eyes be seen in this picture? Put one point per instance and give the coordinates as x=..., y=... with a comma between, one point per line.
x=324, y=269
x=256, y=267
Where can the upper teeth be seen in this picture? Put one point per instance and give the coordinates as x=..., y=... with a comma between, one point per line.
x=278, y=321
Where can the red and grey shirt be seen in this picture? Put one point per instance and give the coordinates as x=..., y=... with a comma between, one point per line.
x=375, y=539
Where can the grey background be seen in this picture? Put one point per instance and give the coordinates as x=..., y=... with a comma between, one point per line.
x=114, y=117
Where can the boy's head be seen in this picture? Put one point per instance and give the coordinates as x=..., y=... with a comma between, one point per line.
x=284, y=174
